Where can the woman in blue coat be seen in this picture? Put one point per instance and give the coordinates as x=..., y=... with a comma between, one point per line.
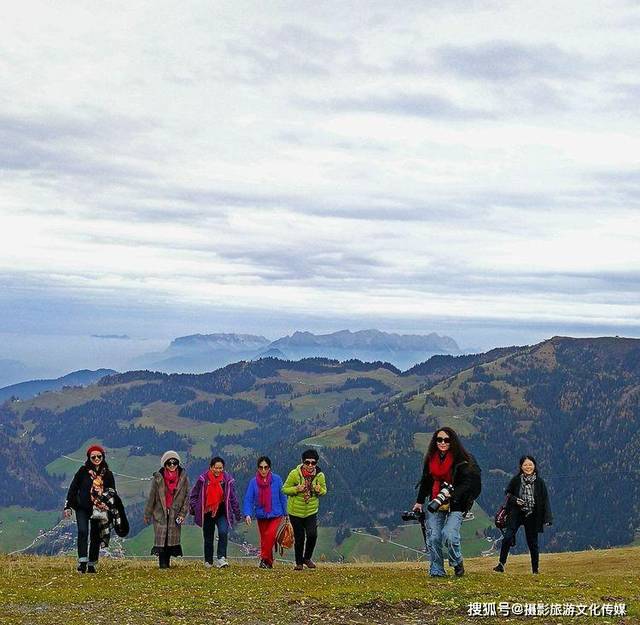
x=265, y=499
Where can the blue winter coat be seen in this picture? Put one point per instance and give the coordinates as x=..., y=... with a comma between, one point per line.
x=278, y=500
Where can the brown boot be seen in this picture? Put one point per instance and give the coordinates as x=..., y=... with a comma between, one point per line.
x=310, y=564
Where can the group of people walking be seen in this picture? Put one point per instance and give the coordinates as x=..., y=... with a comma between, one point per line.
x=450, y=481
x=212, y=501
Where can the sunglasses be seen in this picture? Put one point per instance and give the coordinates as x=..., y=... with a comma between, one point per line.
x=441, y=439
x=311, y=462
x=96, y=456
x=264, y=467
x=172, y=463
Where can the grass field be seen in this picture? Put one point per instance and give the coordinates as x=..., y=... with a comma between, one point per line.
x=19, y=526
x=47, y=591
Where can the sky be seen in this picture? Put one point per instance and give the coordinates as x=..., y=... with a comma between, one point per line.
x=470, y=168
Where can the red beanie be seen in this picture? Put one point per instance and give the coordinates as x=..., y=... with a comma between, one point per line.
x=95, y=448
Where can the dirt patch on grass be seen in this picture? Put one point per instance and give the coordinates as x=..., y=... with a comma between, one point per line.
x=375, y=612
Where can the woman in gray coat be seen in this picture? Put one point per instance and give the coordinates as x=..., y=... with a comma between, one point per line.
x=167, y=506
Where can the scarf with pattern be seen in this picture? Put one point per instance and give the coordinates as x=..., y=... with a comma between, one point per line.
x=97, y=488
x=527, y=483
x=308, y=475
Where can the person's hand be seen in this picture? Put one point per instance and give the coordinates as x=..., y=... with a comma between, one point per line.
x=317, y=488
x=66, y=513
x=548, y=524
x=146, y=520
x=300, y=488
x=417, y=507
x=520, y=502
x=247, y=519
x=179, y=519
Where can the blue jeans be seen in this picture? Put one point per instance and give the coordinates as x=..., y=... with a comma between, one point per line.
x=209, y=525
x=88, y=536
x=444, y=530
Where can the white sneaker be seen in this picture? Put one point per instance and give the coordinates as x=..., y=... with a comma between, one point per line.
x=207, y=565
x=222, y=562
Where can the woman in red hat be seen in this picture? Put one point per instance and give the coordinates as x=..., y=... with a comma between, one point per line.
x=88, y=484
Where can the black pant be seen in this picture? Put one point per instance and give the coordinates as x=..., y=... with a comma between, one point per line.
x=516, y=519
x=304, y=526
x=83, y=519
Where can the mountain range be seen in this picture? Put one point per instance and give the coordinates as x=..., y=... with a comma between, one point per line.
x=572, y=403
x=26, y=390
x=199, y=353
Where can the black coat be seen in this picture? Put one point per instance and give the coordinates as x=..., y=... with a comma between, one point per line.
x=79, y=493
x=541, y=509
x=466, y=485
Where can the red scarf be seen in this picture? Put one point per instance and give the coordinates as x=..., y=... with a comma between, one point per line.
x=264, y=491
x=441, y=471
x=170, y=484
x=214, y=494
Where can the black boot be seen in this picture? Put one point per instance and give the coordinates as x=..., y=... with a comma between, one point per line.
x=82, y=567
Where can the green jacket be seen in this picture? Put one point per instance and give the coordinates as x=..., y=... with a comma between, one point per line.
x=295, y=504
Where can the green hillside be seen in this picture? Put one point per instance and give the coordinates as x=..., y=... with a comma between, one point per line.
x=560, y=400
x=19, y=526
x=47, y=591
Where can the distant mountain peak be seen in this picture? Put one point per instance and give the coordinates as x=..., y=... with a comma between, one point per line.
x=220, y=340
x=371, y=338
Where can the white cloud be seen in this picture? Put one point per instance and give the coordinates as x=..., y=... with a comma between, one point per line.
x=377, y=158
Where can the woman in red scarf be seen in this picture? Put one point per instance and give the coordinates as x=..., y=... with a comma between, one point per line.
x=214, y=504
x=451, y=481
x=167, y=505
x=265, y=498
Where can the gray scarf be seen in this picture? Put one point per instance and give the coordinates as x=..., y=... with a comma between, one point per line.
x=527, y=483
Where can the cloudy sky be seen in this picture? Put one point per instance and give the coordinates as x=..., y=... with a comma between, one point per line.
x=170, y=167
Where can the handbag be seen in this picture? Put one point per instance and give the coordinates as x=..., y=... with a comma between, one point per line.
x=284, y=535
x=500, y=517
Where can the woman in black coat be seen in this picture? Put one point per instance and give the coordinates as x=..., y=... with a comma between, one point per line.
x=89, y=482
x=528, y=505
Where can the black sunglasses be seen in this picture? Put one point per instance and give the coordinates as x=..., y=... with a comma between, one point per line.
x=264, y=466
x=172, y=462
x=96, y=457
x=441, y=439
x=311, y=462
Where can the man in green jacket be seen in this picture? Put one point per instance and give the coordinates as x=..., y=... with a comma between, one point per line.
x=304, y=486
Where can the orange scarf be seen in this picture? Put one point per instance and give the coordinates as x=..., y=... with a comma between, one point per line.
x=214, y=495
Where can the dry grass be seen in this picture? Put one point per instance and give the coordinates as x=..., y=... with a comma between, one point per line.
x=47, y=591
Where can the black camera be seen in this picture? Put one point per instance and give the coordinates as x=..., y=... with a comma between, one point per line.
x=412, y=515
x=446, y=490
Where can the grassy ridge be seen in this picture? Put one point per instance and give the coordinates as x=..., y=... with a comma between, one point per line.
x=44, y=590
x=19, y=526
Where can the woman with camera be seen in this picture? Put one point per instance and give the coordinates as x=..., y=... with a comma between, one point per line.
x=528, y=505
x=167, y=505
x=451, y=481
